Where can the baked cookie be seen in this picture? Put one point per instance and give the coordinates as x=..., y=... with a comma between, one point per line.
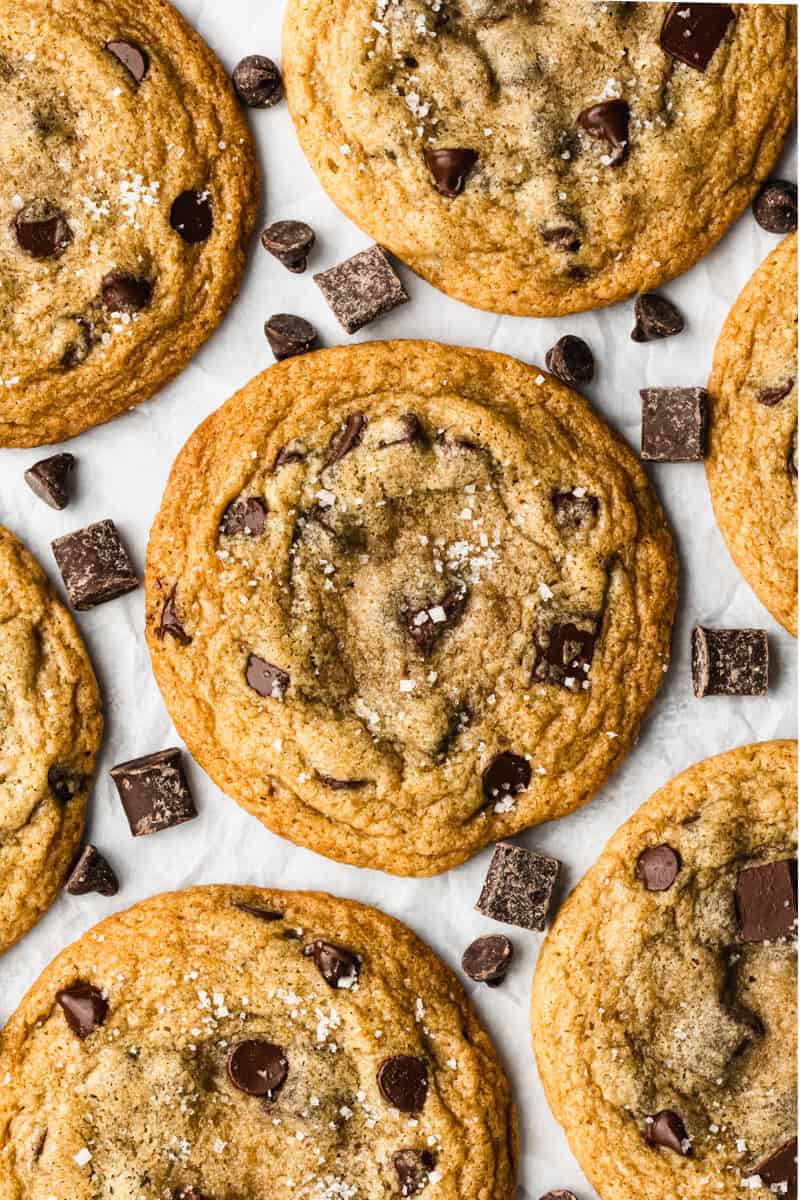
x=229, y=1041
x=752, y=461
x=541, y=157
x=665, y=997
x=50, y=729
x=129, y=191
x=406, y=599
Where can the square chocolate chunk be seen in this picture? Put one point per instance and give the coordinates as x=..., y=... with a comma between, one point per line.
x=362, y=288
x=693, y=31
x=766, y=901
x=519, y=886
x=94, y=565
x=730, y=662
x=154, y=791
x=674, y=424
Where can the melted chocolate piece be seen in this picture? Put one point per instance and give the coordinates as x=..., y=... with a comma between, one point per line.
x=410, y=430
x=770, y=396
x=574, y=512
x=563, y=237
x=781, y=1168
x=261, y=914
x=426, y=625
x=449, y=169
x=403, y=1082
x=342, y=785
x=124, y=293
x=338, y=967
x=63, y=784
x=413, y=1169
x=192, y=217
x=658, y=867
x=170, y=621
x=132, y=57
x=42, y=229
x=258, y=1068
x=347, y=438
x=668, y=1130
x=766, y=901
x=609, y=120
x=506, y=775
x=692, y=32
x=84, y=1008
x=245, y=515
x=564, y=653
x=266, y=679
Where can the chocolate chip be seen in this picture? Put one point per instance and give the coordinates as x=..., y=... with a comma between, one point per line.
x=132, y=57
x=413, y=1169
x=692, y=32
x=289, y=335
x=362, y=288
x=348, y=437
x=258, y=1068
x=287, y=455
x=656, y=318
x=245, y=515
x=658, y=867
x=730, y=662
x=290, y=242
x=426, y=625
x=84, y=1008
x=766, y=901
x=519, y=885
x=608, y=120
x=780, y=1168
x=564, y=652
x=342, y=785
x=403, y=1081
x=94, y=565
x=192, y=217
x=506, y=775
x=63, y=784
x=574, y=512
x=770, y=396
x=487, y=959
x=170, y=622
x=571, y=361
x=775, y=207
x=125, y=293
x=78, y=350
x=42, y=230
x=409, y=430
x=261, y=914
x=266, y=679
x=563, y=237
x=674, y=424
x=258, y=81
x=48, y=479
x=450, y=168
x=154, y=792
x=559, y=1195
x=92, y=873
x=668, y=1130
x=338, y=967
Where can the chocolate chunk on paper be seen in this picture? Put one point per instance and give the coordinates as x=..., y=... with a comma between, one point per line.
x=92, y=873
x=94, y=565
x=674, y=424
x=154, y=792
x=47, y=479
x=730, y=662
x=519, y=886
x=362, y=288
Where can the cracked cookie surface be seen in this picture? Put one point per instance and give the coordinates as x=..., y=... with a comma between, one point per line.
x=230, y=1041
x=654, y=998
x=407, y=599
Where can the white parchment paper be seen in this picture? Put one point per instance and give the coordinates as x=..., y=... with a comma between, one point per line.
x=121, y=474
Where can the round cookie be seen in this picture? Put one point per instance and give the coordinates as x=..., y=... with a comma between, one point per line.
x=404, y=600
x=230, y=1042
x=665, y=997
x=541, y=158
x=752, y=461
x=50, y=730
x=129, y=193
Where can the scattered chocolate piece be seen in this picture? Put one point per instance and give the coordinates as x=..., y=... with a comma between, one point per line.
x=775, y=207
x=564, y=237
x=289, y=335
x=125, y=293
x=258, y=1068
x=571, y=361
x=92, y=873
x=132, y=57
x=656, y=318
x=287, y=455
x=342, y=785
x=693, y=32
x=506, y=775
x=413, y=1169
x=658, y=867
x=63, y=784
x=266, y=679
x=766, y=901
x=449, y=169
x=772, y=395
x=246, y=515
x=519, y=887
x=564, y=652
x=42, y=229
x=487, y=959
x=192, y=217
x=84, y=1008
x=154, y=792
x=258, y=82
x=730, y=662
x=608, y=120
x=170, y=620
x=574, y=512
x=362, y=288
x=409, y=430
x=403, y=1081
x=668, y=1130
x=94, y=565
x=781, y=1168
x=48, y=479
x=290, y=242
x=261, y=914
x=674, y=424
x=338, y=967
x=348, y=437
x=426, y=625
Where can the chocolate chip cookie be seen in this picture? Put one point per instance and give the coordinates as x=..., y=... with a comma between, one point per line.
x=50, y=729
x=405, y=599
x=664, y=1003
x=752, y=462
x=233, y=1042
x=535, y=156
x=128, y=192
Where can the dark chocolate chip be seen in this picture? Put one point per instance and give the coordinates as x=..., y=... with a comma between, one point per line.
x=289, y=335
x=132, y=57
x=261, y=914
x=290, y=242
x=170, y=622
x=571, y=361
x=780, y=1168
x=266, y=679
x=42, y=229
x=770, y=396
x=656, y=318
x=403, y=1081
x=287, y=455
x=449, y=168
x=608, y=120
x=519, y=886
x=413, y=1169
x=246, y=515
x=409, y=430
x=84, y=1008
x=775, y=207
x=506, y=775
x=487, y=959
x=766, y=901
x=258, y=1068
x=92, y=873
x=658, y=867
x=564, y=652
x=347, y=438
x=192, y=217
x=125, y=293
x=693, y=32
x=563, y=237
x=154, y=792
x=574, y=512
x=362, y=288
x=94, y=565
x=338, y=967
x=342, y=785
x=258, y=81
x=48, y=479
x=63, y=784
x=426, y=625
x=668, y=1130
x=730, y=662
x=674, y=424
x=78, y=350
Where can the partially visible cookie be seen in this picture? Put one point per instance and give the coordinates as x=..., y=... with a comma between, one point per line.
x=752, y=461
x=664, y=1003
x=234, y=1042
x=50, y=729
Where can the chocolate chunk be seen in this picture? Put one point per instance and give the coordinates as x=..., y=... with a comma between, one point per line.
x=258, y=1068
x=261, y=914
x=574, y=512
x=63, y=784
x=403, y=1081
x=287, y=455
x=506, y=775
x=413, y=1169
x=266, y=679
x=409, y=430
x=656, y=318
x=766, y=901
x=487, y=959
x=84, y=1008
x=692, y=32
x=571, y=361
x=170, y=620
x=78, y=350
x=674, y=424
x=124, y=293
x=154, y=792
x=781, y=1169
x=658, y=867
x=92, y=873
x=337, y=966
x=775, y=207
x=564, y=652
x=563, y=237
x=192, y=217
x=258, y=82
x=559, y=1195
x=289, y=335
x=770, y=396
x=608, y=120
x=730, y=662
x=519, y=885
x=362, y=288
x=426, y=625
x=342, y=785
x=132, y=57
x=450, y=168
x=668, y=1130
x=245, y=515
x=94, y=565
x=290, y=242
x=48, y=479
x=42, y=230
x=348, y=437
